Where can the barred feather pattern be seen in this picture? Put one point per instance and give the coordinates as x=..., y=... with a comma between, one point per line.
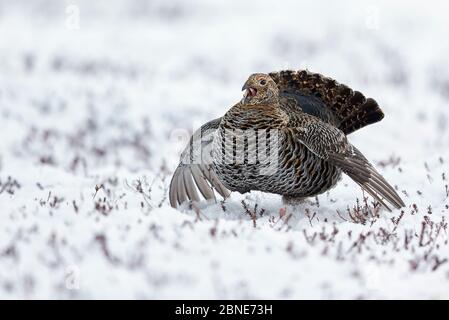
x=292, y=170
x=341, y=106
x=297, y=173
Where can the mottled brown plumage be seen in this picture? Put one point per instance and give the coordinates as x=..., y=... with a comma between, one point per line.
x=286, y=136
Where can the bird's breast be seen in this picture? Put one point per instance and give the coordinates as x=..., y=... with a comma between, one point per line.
x=268, y=160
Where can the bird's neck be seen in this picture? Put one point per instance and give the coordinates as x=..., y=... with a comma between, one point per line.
x=255, y=116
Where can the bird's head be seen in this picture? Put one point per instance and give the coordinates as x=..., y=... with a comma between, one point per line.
x=260, y=88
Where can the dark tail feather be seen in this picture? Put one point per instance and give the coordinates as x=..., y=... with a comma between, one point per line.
x=362, y=115
x=351, y=108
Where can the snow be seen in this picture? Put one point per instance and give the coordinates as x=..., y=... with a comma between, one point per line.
x=97, y=101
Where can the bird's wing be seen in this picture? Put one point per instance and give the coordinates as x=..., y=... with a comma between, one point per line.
x=330, y=143
x=194, y=172
x=325, y=98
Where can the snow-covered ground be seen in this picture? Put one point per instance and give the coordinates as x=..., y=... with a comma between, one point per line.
x=97, y=99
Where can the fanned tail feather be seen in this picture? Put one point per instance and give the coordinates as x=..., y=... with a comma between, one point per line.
x=350, y=108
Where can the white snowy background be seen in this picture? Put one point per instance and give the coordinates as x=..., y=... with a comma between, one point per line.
x=96, y=100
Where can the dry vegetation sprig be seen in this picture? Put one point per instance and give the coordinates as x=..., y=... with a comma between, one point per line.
x=283, y=216
x=141, y=187
x=103, y=243
x=397, y=220
x=252, y=213
x=310, y=216
x=364, y=213
x=10, y=185
x=392, y=161
x=103, y=206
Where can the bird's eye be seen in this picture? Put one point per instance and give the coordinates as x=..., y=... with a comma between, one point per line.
x=263, y=82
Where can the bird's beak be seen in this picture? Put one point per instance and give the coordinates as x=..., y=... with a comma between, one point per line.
x=249, y=91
